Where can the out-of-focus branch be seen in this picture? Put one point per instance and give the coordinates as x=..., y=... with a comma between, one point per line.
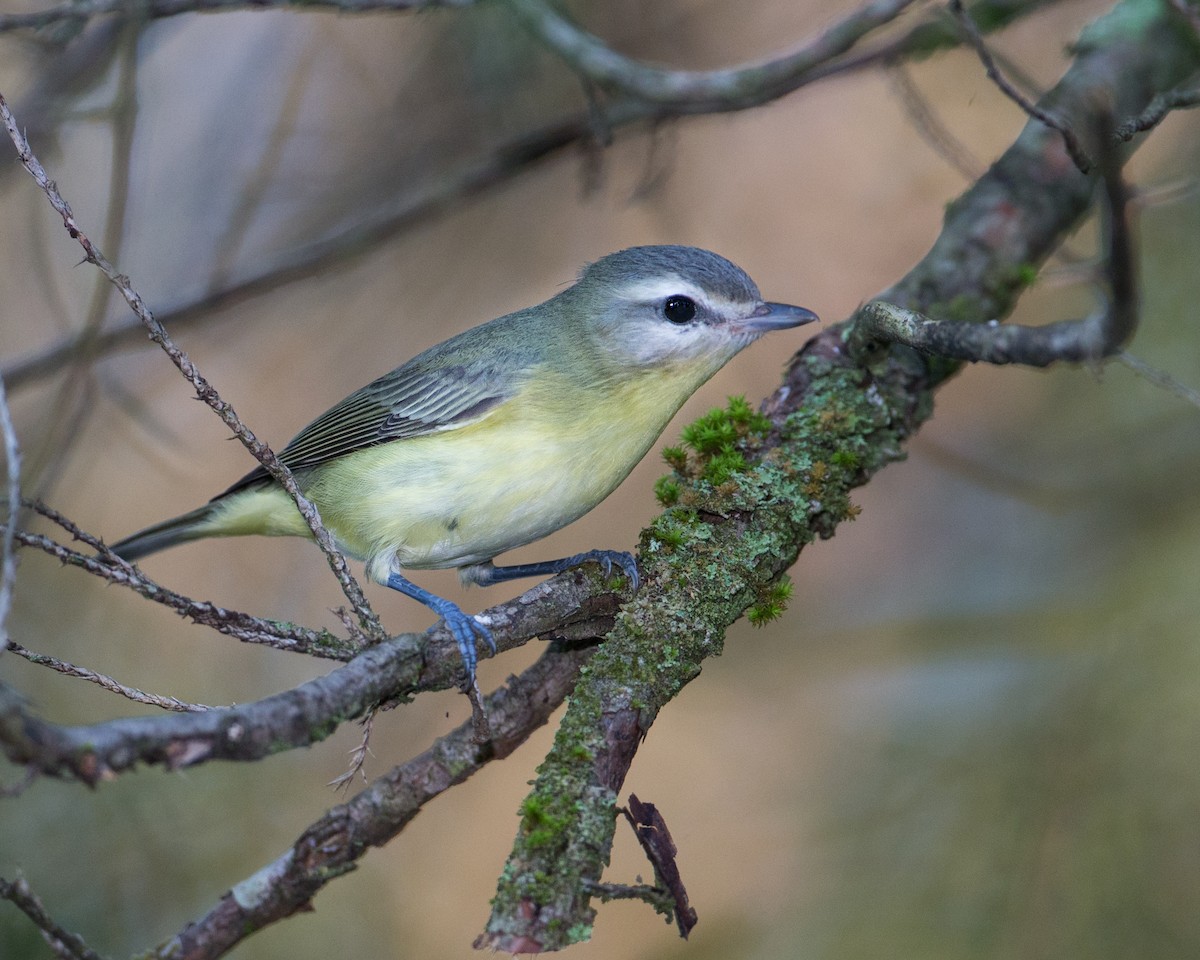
x=156, y=9
x=11, y=505
x=333, y=844
x=503, y=163
x=734, y=88
x=204, y=390
x=1032, y=109
x=64, y=943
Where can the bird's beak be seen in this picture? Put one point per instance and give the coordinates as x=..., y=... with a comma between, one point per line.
x=777, y=316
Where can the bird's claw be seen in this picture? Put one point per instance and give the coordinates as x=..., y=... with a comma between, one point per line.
x=466, y=630
x=606, y=559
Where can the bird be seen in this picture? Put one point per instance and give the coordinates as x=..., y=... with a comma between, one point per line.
x=504, y=433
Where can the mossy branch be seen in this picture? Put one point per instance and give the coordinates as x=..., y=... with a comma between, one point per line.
x=838, y=418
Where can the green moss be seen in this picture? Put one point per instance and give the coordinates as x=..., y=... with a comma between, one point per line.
x=541, y=823
x=846, y=460
x=667, y=491
x=676, y=457
x=724, y=465
x=772, y=603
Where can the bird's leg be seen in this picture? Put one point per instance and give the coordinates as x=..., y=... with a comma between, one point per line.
x=464, y=627
x=485, y=574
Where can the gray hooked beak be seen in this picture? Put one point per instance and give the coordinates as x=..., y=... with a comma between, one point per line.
x=777, y=316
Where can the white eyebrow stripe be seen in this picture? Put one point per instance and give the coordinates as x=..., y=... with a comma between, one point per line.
x=659, y=288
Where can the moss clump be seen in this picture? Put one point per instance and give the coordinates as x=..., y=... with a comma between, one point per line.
x=713, y=448
x=772, y=602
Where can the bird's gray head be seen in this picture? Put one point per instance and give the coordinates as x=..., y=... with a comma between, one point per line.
x=662, y=304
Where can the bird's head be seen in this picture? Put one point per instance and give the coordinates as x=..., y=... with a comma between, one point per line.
x=671, y=306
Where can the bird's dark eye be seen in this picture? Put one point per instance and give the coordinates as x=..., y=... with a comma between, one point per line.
x=679, y=309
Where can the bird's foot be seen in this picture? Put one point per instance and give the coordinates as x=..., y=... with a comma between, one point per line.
x=485, y=574
x=466, y=629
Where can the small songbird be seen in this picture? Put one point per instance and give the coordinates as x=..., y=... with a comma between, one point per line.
x=504, y=433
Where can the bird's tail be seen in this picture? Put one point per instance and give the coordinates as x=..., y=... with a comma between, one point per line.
x=189, y=526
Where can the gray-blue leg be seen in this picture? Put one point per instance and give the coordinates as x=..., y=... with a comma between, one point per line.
x=486, y=574
x=464, y=626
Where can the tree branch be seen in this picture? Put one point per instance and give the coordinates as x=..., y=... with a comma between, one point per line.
x=574, y=606
x=334, y=843
x=504, y=162
x=834, y=424
x=734, y=88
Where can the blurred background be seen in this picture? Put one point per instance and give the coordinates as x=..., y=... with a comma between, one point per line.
x=974, y=733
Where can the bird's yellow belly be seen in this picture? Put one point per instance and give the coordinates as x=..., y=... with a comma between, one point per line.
x=465, y=495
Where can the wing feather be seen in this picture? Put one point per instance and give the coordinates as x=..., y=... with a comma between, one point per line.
x=409, y=402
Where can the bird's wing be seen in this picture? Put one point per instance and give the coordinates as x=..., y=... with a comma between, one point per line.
x=409, y=402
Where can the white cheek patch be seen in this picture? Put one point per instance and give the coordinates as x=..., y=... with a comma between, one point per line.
x=661, y=342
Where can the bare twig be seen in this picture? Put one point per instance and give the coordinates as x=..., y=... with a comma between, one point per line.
x=1070, y=141
x=204, y=390
x=1181, y=98
x=734, y=88
x=1088, y=340
x=64, y=943
x=935, y=33
x=107, y=682
x=1159, y=378
x=241, y=626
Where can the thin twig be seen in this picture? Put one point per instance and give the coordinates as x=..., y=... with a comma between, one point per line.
x=1070, y=141
x=573, y=605
x=241, y=626
x=61, y=941
x=105, y=681
x=1160, y=378
x=1088, y=340
x=929, y=125
x=204, y=390
x=1181, y=98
